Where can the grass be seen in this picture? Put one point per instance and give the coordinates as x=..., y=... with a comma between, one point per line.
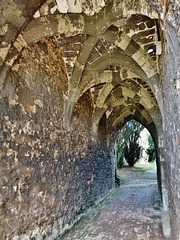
x=145, y=166
x=123, y=179
x=140, y=167
x=139, y=170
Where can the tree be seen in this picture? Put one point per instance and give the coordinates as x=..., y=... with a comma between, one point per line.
x=151, y=151
x=132, y=153
x=120, y=159
x=128, y=144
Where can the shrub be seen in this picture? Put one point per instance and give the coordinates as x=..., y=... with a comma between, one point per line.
x=132, y=153
x=128, y=144
x=120, y=159
x=151, y=151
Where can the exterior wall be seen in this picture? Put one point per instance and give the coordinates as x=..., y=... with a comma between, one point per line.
x=171, y=88
x=171, y=91
x=48, y=174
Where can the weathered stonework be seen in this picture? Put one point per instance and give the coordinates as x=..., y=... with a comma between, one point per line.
x=72, y=73
x=171, y=89
x=49, y=174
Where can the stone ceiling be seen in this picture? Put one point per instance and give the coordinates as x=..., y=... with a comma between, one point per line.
x=109, y=48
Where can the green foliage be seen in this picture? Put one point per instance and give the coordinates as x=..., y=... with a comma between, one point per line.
x=127, y=143
x=151, y=151
x=120, y=159
x=132, y=153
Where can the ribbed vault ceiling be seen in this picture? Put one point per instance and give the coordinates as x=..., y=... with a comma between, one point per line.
x=105, y=51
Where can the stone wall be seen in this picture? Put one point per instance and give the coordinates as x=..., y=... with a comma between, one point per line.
x=48, y=174
x=171, y=89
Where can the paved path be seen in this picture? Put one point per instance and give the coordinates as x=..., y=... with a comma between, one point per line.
x=131, y=212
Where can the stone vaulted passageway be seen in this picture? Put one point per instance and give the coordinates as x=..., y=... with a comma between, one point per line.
x=72, y=73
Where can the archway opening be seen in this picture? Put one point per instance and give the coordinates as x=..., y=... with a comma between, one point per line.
x=135, y=154
x=134, y=144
